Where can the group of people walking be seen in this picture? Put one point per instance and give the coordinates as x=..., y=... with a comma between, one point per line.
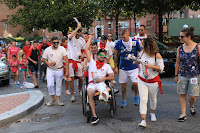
x=69, y=60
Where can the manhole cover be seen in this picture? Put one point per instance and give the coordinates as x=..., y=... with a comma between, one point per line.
x=45, y=117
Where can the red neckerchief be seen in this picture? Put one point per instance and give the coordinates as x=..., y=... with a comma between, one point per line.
x=101, y=46
x=65, y=46
x=99, y=64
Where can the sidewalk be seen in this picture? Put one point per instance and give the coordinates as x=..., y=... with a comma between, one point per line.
x=17, y=105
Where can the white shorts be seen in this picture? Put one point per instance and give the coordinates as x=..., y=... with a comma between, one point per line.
x=72, y=72
x=96, y=86
x=123, y=75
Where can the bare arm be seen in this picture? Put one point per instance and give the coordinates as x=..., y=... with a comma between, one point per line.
x=35, y=62
x=75, y=31
x=177, y=64
x=87, y=47
x=155, y=68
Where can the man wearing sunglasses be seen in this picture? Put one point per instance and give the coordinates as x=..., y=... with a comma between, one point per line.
x=75, y=44
x=97, y=75
x=141, y=34
x=53, y=56
x=127, y=69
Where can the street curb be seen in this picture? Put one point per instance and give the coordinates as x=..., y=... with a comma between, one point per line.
x=34, y=102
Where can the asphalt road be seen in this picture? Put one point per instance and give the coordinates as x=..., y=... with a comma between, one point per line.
x=126, y=119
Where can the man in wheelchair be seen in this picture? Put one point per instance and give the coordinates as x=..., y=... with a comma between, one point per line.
x=97, y=75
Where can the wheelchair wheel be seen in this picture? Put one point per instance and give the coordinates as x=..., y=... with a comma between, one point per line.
x=84, y=100
x=112, y=103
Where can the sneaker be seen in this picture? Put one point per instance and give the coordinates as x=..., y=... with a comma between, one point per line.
x=60, y=103
x=116, y=91
x=73, y=99
x=142, y=124
x=14, y=82
x=67, y=92
x=192, y=111
x=94, y=120
x=136, y=100
x=36, y=86
x=182, y=118
x=123, y=105
x=80, y=93
x=51, y=102
x=114, y=82
x=153, y=117
x=18, y=82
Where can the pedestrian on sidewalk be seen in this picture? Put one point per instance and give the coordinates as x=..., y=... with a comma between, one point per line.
x=14, y=64
x=148, y=78
x=24, y=63
x=53, y=56
x=33, y=56
x=187, y=71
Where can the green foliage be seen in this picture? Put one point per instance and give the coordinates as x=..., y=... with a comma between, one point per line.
x=52, y=14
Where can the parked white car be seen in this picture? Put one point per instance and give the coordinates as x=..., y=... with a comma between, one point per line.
x=4, y=71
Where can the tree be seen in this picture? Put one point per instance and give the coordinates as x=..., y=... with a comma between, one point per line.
x=161, y=7
x=52, y=14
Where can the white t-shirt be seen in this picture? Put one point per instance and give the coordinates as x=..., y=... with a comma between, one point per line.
x=111, y=44
x=139, y=38
x=55, y=56
x=74, y=48
x=107, y=48
x=95, y=73
x=151, y=61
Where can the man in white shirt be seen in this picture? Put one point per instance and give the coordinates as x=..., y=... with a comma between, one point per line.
x=75, y=44
x=141, y=35
x=97, y=75
x=53, y=56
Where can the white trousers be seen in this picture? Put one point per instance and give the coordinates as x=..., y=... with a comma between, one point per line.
x=145, y=89
x=52, y=76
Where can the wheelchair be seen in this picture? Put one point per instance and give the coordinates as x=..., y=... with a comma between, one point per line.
x=85, y=101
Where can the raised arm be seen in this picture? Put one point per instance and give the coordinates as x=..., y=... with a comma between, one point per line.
x=75, y=31
x=87, y=47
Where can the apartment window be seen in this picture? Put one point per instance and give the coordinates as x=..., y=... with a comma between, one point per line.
x=148, y=23
x=164, y=22
x=123, y=25
x=109, y=25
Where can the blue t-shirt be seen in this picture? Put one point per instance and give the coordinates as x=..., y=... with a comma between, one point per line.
x=123, y=53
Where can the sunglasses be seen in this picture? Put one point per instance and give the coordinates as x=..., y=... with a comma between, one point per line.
x=55, y=42
x=140, y=29
x=182, y=37
x=102, y=55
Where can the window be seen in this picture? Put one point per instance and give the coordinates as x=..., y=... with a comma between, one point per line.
x=137, y=24
x=109, y=25
x=123, y=25
x=164, y=22
x=148, y=23
x=198, y=16
x=192, y=16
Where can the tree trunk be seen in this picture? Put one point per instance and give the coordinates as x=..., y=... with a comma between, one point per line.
x=135, y=23
x=65, y=32
x=160, y=27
